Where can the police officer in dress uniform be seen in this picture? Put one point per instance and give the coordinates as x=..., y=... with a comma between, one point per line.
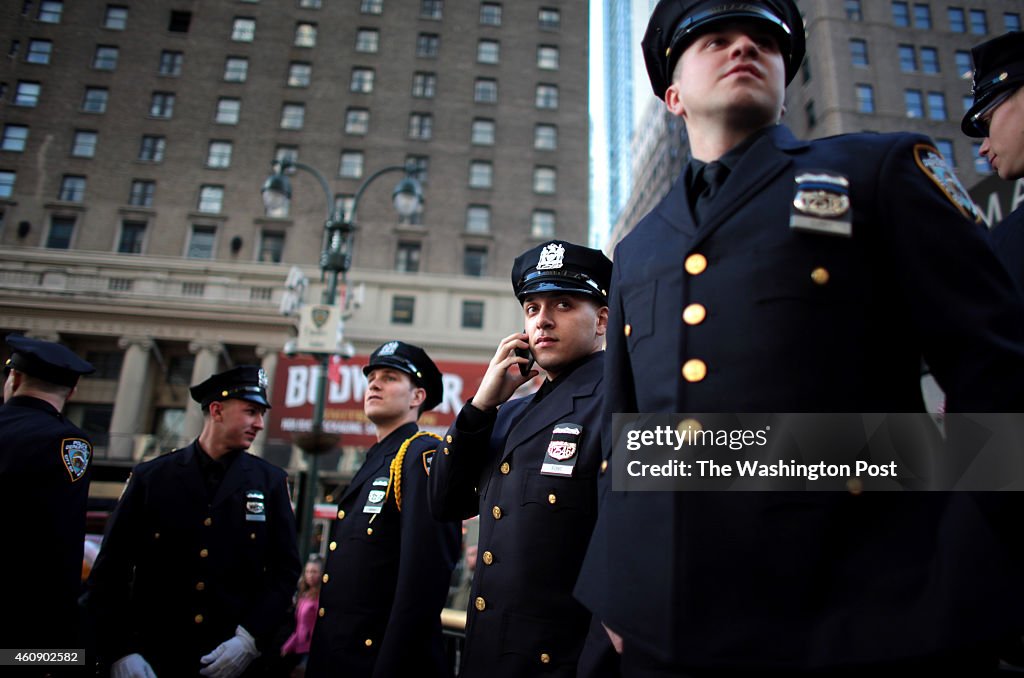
x=44, y=485
x=199, y=561
x=811, y=278
x=386, y=577
x=529, y=467
x=998, y=115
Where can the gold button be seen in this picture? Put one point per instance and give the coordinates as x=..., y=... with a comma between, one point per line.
x=321, y=612
x=208, y=522
x=552, y=498
x=689, y=425
x=695, y=264
x=326, y=577
x=694, y=370
x=627, y=330
x=496, y=512
x=448, y=439
x=604, y=466
x=333, y=545
x=855, y=486
x=156, y=535
x=488, y=557
x=820, y=276
x=446, y=450
x=203, y=553
x=545, y=658
x=694, y=314
x=252, y=535
x=369, y=530
x=480, y=604
x=329, y=499
x=199, y=619
x=505, y=468
x=341, y=514
x=200, y=586
x=368, y=642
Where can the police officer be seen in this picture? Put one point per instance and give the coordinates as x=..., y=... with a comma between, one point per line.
x=199, y=561
x=44, y=485
x=998, y=115
x=781, y=275
x=529, y=467
x=387, y=572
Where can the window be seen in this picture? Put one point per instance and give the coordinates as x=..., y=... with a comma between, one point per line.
x=152, y=148
x=211, y=199
x=908, y=58
x=981, y=165
x=27, y=94
x=542, y=224
x=228, y=111
x=421, y=126
x=957, y=20
x=161, y=105
x=483, y=132
x=371, y=6
x=271, y=247
x=858, y=52
x=544, y=179
x=964, y=65
x=84, y=144
x=922, y=17
x=865, y=99
x=141, y=194
x=547, y=96
x=299, y=74
x=289, y=153
x=310, y=4
x=424, y=85
x=419, y=166
x=900, y=14
x=967, y=100
x=362, y=80
x=357, y=121
x=488, y=52
x=72, y=188
x=351, y=165
x=1011, y=22
x=170, y=62
x=105, y=58
x=116, y=18
x=853, y=12
x=485, y=91
x=7, y=183
x=936, y=105
x=95, y=100
x=403, y=310
x=473, y=314
x=407, y=257
x=367, y=40
x=929, y=60
x=545, y=137
x=200, y=245
x=39, y=51
x=549, y=19
x=431, y=9
x=132, y=235
x=243, y=30
x=343, y=205
x=293, y=116
x=50, y=11
x=480, y=174
x=61, y=230
x=180, y=21
x=474, y=261
x=218, y=155
x=15, y=138
x=945, y=147
x=236, y=69
x=914, y=103
x=979, y=22
x=107, y=363
x=305, y=35
x=478, y=219
x=427, y=45
x=810, y=114
x=547, y=58
x=490, y=14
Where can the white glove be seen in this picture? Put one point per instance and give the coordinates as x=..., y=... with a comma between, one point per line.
x=131, y=666
x=231, y=657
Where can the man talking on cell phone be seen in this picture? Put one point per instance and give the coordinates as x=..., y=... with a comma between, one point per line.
x=529, y=467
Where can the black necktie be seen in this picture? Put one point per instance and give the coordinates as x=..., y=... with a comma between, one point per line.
x=710, y=180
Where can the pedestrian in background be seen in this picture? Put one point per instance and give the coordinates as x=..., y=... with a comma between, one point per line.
x=307, y=602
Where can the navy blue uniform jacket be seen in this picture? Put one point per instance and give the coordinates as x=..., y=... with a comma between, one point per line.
x=177, y=573
x=1008, y=242
x=534, y=528
x=44, y=485
x=811, y=579
x=387, y=573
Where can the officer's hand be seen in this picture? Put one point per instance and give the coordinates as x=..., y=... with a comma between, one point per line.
x=231, y=657
x=502, y=377
x=131, y=666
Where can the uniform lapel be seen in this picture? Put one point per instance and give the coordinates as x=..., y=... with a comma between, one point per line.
x=376, y=456
x=675, y=208
x=234, y=478
x=189, y=476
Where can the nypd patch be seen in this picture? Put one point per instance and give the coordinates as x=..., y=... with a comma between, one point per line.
x=428, y=459
x=935, y=167
x=76, y=454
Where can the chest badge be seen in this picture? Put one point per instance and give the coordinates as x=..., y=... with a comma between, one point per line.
x=255, y=508
x=821, y=204
x=561, y=456
x=375, y=498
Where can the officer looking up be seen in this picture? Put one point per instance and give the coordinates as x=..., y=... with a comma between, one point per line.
x=529, y=467
x=199, y=561
x=781, y=275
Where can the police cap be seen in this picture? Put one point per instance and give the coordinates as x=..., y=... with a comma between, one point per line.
x=560, y=266
x=415, y=362
x=998, y=73
x=46, y=360
x=244, y=382
x=675, y=23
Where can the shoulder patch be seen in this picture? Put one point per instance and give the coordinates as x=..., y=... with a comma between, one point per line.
x=428, y=459
x=934, y=166
x=76, y=453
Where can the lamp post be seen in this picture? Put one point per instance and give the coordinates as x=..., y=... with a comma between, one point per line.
x=335, y=261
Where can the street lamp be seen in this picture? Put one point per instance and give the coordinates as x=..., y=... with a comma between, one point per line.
x=335, y=261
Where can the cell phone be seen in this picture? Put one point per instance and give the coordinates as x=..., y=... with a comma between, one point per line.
x=524, y=368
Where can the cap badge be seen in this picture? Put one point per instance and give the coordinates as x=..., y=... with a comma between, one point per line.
x=262, y=377
x=388, y=348
x=551, y=257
